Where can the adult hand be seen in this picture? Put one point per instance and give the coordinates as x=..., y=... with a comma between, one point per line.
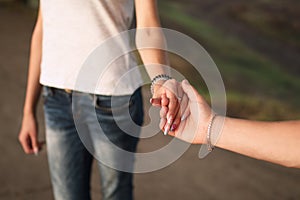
x=169, y=95
x=193, y=128
x=28, y=135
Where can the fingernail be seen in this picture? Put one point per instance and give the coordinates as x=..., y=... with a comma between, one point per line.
x=166, y=131
x=173, y=127
x=169, y=120
x=36, y=151
x=151, y=100
x=182, y=118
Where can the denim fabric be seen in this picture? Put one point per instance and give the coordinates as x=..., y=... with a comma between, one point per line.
x=70, y=159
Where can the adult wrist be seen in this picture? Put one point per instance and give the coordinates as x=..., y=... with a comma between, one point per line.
x=29, y=111
x=156, y=86
x=214, y=131
x=210, y=146
x=159, y=80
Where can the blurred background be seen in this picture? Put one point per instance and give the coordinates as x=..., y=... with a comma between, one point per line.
x=256, y=46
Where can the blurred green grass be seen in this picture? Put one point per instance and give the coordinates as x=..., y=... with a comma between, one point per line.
x=277, y=19
x=257, y=87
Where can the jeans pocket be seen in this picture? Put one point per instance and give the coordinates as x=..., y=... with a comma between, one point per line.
x=46, y=93
x=111, y=104
x=120, y=108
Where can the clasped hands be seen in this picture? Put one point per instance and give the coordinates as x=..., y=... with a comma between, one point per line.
x=183, y=111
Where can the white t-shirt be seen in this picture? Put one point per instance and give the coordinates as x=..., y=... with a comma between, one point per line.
x=72, y=30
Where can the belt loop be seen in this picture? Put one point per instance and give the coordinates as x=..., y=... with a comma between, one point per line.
x=68, y=91
x=95, y=99
x=49, y=91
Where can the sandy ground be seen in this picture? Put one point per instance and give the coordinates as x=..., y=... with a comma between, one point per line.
x=222, y=175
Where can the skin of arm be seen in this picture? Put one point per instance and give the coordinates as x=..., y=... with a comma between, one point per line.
x=28, y=132
x=276, y=142
x=150, y=34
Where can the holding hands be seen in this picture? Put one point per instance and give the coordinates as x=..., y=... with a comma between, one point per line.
x=184, y=113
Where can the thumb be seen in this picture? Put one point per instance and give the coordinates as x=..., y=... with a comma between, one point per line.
x=190, y=91
x=35, y=144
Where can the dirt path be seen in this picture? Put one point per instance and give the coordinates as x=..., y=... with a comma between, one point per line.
x=222, y=175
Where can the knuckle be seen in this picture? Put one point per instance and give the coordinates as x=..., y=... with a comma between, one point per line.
x=172, y=104
x=165, y=101
x=173, y=81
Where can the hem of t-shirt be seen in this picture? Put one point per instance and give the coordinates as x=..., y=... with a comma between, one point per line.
x=130, y=91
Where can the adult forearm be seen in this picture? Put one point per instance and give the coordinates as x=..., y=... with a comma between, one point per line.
x=151, y=44
x=155, y=62
x=33, y=86
x=150, y=39
x=276, y=142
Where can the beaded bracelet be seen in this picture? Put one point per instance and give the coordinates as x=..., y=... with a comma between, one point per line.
x=161, y=77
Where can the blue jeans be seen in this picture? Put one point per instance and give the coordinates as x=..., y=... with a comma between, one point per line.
x=70, y=161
